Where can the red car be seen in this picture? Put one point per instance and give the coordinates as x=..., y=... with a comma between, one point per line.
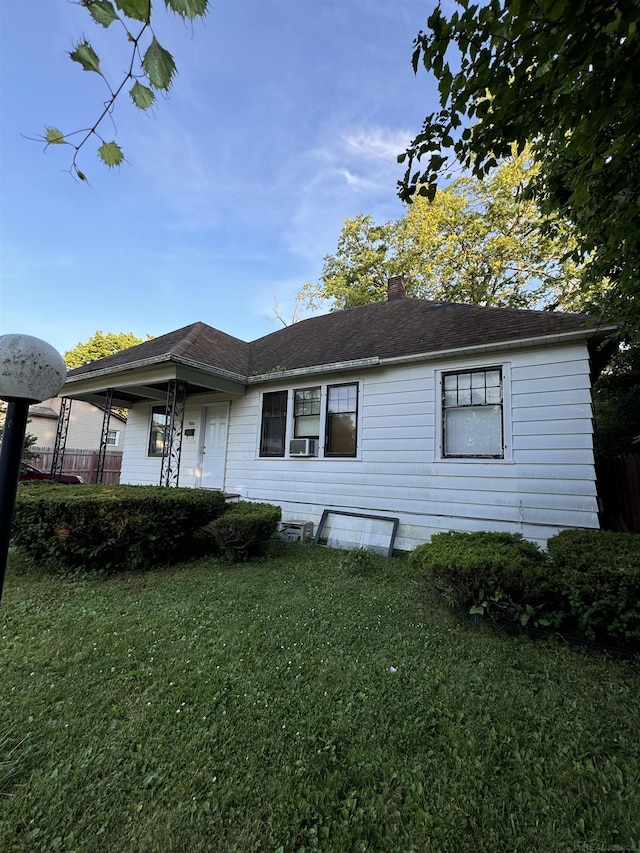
x=28, y=472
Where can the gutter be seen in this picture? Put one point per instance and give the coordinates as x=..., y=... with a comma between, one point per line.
x=434, y=355
x=480, y=349
x=354, y=364
x=153, y=361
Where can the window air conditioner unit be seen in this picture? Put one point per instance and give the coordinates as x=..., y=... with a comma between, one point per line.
x=303, y=447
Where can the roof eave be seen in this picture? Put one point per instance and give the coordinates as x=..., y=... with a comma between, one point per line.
x=128, y=374
x=335, y=367
x=151, y=370
x=556, y=339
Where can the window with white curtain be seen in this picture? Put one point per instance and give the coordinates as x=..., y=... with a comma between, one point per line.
x=472, y=417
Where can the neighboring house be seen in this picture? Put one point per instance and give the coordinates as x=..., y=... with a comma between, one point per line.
x=85, y=425
x=443, y=416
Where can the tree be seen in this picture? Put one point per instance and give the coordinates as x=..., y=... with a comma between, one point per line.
x=357, y=273
x=616, y=403
x=295, y=314
x=29, y=439
x=483, y=242
x=101, y=345
x=562, y=75
x=150, y=62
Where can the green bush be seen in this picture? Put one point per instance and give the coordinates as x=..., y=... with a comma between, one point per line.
x=599, y=577
x=106, y=527
x=363, y=562
x=244, y=530
x=498, y=575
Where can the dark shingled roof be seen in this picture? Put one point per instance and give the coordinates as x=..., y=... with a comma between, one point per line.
x=197, y=342
x=402, y=327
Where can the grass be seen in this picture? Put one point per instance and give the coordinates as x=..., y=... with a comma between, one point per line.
x=306, y=702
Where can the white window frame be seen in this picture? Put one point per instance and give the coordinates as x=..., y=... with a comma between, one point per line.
x=116, y=435
x=507, y=432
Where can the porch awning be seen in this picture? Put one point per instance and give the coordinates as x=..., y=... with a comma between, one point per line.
x=148, y=380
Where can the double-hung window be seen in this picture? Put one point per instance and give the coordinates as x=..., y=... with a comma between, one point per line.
x=472, y=417
x=329, y=411
x=306, y=413
x=113, y=437
x=341, y=427
x=274, y=423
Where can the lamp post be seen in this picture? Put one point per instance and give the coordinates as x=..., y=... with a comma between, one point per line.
x=31, y=371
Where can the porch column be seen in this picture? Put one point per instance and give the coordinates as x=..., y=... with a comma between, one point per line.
x=61, y=437
x=105, y=432
x=172, y=448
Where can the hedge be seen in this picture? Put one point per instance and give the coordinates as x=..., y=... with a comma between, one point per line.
x=498, y=575
x=598, y=573
x=109, y=527
x=587, y=586
x=245, y=528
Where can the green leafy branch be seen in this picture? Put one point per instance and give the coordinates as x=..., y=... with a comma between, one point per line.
x=151, y=68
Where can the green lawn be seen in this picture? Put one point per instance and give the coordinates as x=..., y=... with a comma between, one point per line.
x=300, y=704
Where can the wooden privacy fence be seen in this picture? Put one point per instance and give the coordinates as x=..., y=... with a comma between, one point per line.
x=619, y=490
x=83, y=462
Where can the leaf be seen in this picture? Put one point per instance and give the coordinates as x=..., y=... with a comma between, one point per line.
x=53, y=136
x=101, y=11
x=158, y=65
x=188, y=8
x=142, y=96
x=139, y=10
x=86, y=56
x=111, y=154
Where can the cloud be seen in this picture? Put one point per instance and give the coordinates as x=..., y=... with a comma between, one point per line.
x=377, y=143
x=300, y=199
x=347, y=172
x=356, y=182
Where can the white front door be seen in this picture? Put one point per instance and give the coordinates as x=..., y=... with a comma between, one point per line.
x=216, y=420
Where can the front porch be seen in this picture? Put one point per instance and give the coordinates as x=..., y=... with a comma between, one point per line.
x=166, y=385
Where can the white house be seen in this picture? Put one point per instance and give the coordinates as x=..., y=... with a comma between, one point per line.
x=84, y=428
x=436, y=415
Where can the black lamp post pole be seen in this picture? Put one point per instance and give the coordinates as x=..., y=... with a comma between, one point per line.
x=15, y=426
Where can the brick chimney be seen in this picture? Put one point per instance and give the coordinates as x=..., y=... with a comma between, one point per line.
x=396, y=288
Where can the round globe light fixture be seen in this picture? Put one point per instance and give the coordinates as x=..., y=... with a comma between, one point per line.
x=30, y=369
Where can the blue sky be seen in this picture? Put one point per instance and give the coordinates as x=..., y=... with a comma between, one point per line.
x=286, y=117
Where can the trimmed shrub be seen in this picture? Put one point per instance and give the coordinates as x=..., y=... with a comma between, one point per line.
x=245, y=528
x=599, y=576
x=498, y=575
x=109, y=527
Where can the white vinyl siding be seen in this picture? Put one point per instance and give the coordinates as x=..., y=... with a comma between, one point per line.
x=85, y=426
x=546, y=481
